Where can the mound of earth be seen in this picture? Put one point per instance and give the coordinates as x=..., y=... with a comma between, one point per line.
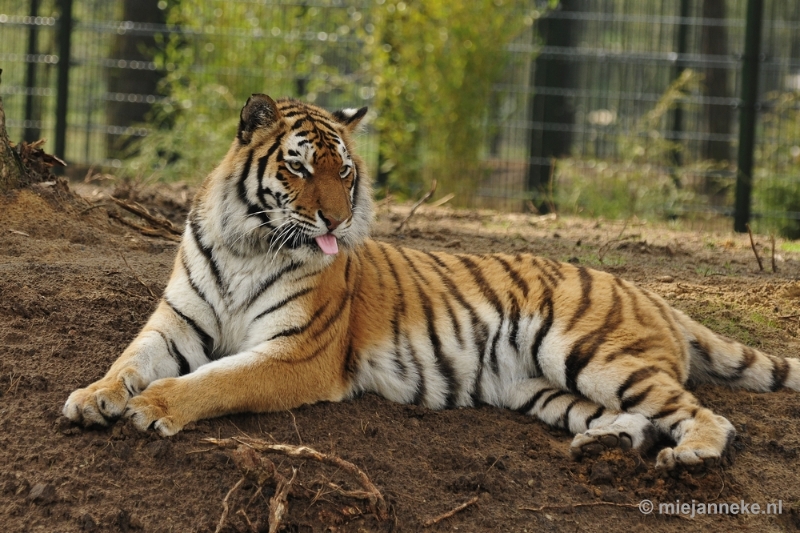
x=78, y=280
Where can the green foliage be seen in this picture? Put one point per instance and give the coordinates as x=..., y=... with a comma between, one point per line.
x=777, y=187
x=433, y=64
x=643, y=182
x=426, y=68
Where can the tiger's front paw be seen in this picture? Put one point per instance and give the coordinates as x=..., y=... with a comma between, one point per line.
x=102, y=402
x=155, y=409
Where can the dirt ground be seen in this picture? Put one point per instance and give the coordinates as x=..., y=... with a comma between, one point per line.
x=76, y=285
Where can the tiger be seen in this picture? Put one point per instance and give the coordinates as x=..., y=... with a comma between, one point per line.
x=279, y=298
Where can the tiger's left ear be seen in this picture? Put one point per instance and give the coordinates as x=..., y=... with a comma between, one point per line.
x=260, y=111
x=350, y=118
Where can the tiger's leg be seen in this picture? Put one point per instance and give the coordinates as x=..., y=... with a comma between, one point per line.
x=166, y=346
x=271, y=377
x=595, y=427
x=638, y=387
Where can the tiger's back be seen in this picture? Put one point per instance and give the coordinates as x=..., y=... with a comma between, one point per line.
x=278, y=298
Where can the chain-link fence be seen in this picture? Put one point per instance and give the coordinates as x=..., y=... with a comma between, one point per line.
x=631, y=103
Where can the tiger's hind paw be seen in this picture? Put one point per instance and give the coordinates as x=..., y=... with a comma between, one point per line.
x=624, y=431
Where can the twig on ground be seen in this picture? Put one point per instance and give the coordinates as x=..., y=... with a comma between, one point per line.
x=17, y=232
x=416, y=206
x=772, y=247
x=443, y=200
x=753, y=246
x=448, y=514
x=144, y=230
x=138, y=278
x=377, y=503
x=279, y=502
x=577, y=505
x=93, y=206
x=225, y=508
x=296, y=430
x=605, y=247
x=142, y=212
x=247, y=518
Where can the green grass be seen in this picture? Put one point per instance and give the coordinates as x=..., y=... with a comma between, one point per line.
x=791, y=246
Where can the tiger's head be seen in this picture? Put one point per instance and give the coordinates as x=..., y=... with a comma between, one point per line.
x=290, y=183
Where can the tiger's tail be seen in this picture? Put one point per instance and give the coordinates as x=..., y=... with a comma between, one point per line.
x=716, y=359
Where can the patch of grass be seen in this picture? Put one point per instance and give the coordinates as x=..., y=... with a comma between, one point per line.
x=791, y=246
x=758, y=318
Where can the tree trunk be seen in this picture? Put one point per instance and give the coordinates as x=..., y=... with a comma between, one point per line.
x=10, y=167
x=547, y=110
x=132, y=47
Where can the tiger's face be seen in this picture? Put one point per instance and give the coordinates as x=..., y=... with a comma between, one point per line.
x=299, y=189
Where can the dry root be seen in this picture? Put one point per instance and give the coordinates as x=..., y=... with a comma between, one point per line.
x=261, y=471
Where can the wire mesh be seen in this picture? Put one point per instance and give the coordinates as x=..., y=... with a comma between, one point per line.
x=619, y=60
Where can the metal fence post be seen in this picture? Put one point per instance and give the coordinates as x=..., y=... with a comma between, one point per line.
x=747, y=115
x=31, y=132
x=62, y=91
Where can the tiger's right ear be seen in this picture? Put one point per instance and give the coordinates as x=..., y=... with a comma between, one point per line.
x=260, y=111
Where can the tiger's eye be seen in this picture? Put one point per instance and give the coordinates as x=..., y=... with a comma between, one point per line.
x=296, y=165
x=344, y=172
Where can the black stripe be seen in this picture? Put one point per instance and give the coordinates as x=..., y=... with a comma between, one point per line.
x=544, y=329
x=565, y=416
x=283, y=302
x=527, y=406
x=399, y=310
x=597, y=414
x=207, y=253
x=484, y=285
x=493, y=299
x=518, y=281
x=480, y=330
x=637, y=347
x=585, y=348
x=200, y=293
x=633, y=297
x=296, y=330
x=183, y=364
x=270, y=281
x=551, y=280
x=552, y=397
x=665, y=412
x=443, y=364
x=780, y=371
x=585, y=277
x=635, y=377
x=205, y=339
x=632, y=401
x=350, y=363
x=514, y=318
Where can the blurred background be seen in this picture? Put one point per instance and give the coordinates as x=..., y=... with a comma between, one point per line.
x=685, y=110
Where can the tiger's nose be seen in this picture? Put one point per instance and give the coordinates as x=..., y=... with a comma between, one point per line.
x=331, y=223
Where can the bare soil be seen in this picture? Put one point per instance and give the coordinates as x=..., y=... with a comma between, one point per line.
x=75, y=287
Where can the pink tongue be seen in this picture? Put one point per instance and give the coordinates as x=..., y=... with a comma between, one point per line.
x=327, y=243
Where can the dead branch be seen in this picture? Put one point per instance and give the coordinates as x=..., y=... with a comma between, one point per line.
x=144, y=230
x=377, y=503
x=416, y=206
x=140, y=211
x=772, y=246
x=577, y=505
x=225, y=507
x=278, y=503
x=448, y=514
x=135, y=275
x=753, y=246
x=443, y=200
